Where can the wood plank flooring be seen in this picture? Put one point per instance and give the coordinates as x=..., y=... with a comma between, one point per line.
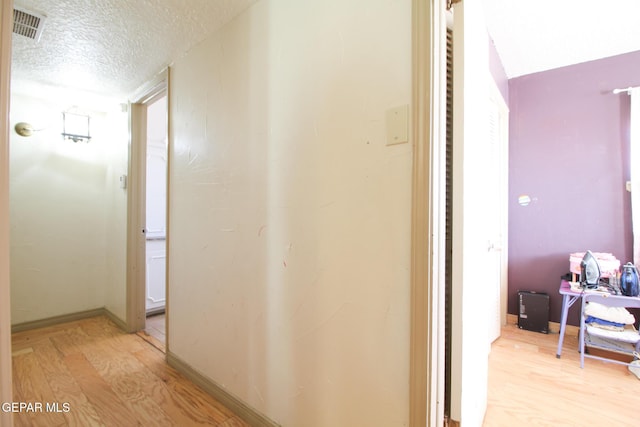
x=155, y=331
x=98, y=375
x=155, y=326
x=529, y=386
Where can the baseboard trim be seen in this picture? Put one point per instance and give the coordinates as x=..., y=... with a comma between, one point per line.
x=115, y=319
x=237, y=406
x=554, y=327
x=154, y=311
x=64, y=318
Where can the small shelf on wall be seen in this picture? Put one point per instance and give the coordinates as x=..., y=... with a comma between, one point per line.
x=75, y=127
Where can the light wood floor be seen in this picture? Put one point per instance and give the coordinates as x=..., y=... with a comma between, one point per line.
x=155, y=326
x=155, y=331
x=529, y=386
x=105, y=377
x=110, y=378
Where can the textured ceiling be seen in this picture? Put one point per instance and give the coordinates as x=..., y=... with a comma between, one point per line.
x=112, y=47
x=537, y=35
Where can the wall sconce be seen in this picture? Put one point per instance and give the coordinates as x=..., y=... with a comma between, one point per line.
x=24, y=129
x=75, y=127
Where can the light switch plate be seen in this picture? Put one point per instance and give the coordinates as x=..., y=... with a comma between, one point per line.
x=397, y=125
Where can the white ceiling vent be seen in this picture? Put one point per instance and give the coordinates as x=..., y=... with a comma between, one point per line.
x=27, y=23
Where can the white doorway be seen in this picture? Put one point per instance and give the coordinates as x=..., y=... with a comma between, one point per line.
x=147, y=227
x=156, y=203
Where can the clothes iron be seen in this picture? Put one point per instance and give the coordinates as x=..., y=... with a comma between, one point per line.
x=589, y=271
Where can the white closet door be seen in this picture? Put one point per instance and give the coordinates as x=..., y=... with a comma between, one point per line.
x=496, y=180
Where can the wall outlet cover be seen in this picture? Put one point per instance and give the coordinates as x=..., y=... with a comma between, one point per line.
x=397, y=120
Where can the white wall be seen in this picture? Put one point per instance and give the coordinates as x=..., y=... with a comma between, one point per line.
x=116, y=158
x=67, y=213
x=289, y=217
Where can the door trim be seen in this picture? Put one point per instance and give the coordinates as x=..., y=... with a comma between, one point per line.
x=427, y=361
x=136, y=200
x=6, y=19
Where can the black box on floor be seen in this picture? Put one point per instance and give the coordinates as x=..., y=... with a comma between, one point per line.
x=534, y=311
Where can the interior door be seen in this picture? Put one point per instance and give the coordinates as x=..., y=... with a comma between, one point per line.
x=156, y=202
x=472, y=269
x=496, y=179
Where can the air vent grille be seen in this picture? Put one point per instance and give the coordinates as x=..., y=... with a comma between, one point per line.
x=27, y=24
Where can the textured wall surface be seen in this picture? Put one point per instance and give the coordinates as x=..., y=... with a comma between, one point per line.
x=569, y=142
x=114, y=46
x=290, y=217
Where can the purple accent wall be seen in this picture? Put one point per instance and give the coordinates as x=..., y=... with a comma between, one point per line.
x=569, y=140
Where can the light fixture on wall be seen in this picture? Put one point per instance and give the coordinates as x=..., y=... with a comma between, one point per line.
x=24, y=129
x=75, y=127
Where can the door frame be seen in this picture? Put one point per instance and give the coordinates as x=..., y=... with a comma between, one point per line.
x=136, y=200
x=428, y=130
x=6, y=393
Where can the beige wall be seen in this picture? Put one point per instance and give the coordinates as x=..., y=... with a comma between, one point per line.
x=67, y=213
x=290, y=217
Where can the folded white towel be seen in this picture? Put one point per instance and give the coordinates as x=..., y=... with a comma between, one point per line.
x=610, y=314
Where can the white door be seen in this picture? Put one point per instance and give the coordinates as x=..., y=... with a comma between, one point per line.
x=156, y=205
x=155, y=272
x=472, y=270
x=496, y=180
